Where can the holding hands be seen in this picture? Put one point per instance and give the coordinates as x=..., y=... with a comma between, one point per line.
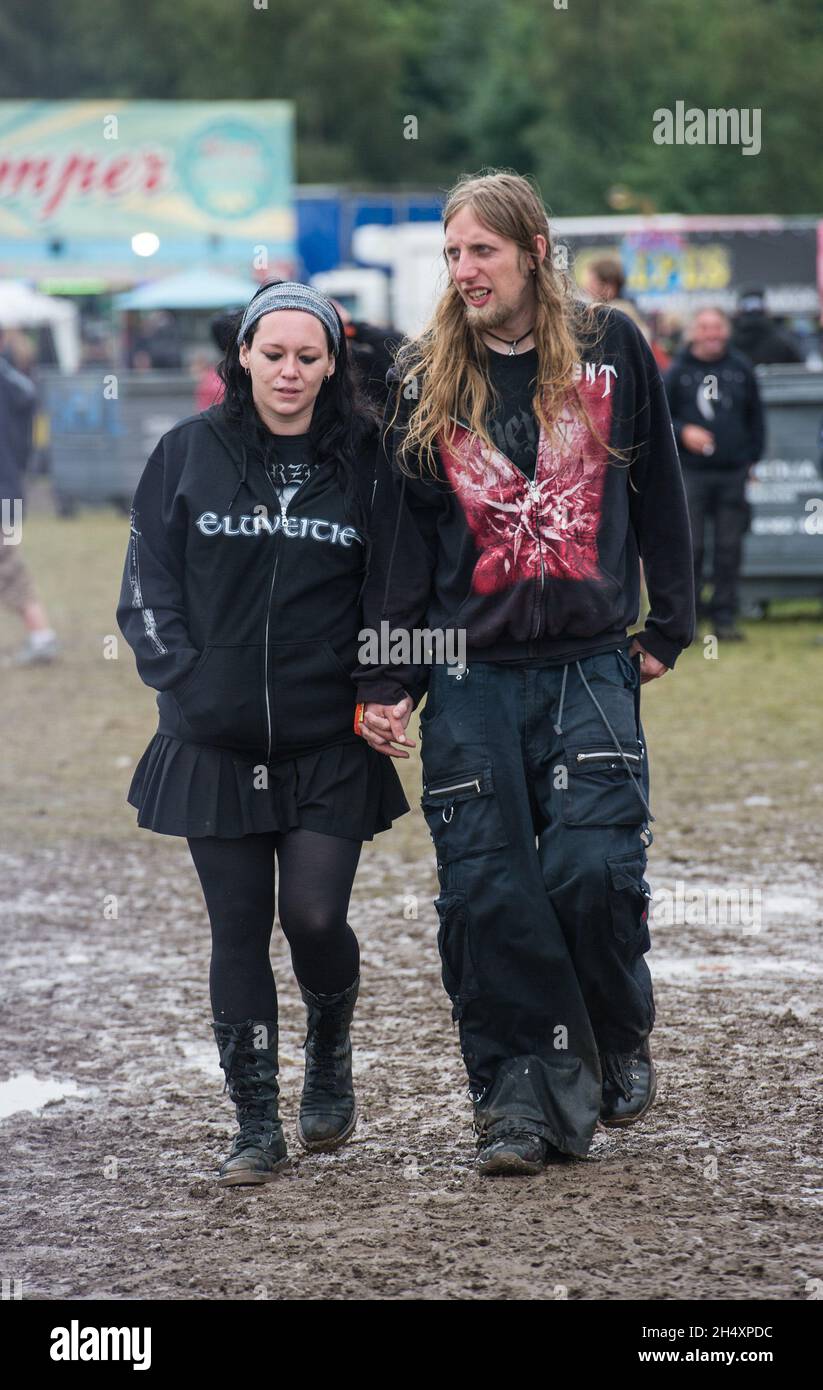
x=384, y=726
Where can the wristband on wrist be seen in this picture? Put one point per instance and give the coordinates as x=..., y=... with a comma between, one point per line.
x=359, y=714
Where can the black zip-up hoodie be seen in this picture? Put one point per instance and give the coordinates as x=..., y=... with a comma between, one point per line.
x=244, y=618
x=545, y=569
x=721, y=396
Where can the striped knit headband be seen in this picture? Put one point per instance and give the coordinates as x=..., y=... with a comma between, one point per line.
x=290, y=294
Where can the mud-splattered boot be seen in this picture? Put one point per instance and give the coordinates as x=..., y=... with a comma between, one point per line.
x=248, y=1056
x=509, y=1148
x=629, y=1085
x=328, y=1112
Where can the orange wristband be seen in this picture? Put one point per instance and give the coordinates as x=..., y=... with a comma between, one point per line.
x=359, y=715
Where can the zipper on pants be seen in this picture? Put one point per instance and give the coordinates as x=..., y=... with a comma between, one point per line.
x=606, y=753
x=455, y=787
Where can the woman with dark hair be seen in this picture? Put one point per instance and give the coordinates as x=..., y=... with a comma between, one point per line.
x=251, y=532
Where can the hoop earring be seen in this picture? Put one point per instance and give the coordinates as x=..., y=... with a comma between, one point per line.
x=325, y=378
x=247, y=370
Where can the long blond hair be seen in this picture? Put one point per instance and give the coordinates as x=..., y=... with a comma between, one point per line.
x=446, y=366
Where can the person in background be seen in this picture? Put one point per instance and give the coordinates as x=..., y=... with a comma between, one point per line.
x=24, y=351
x=758, y=337
x=718, y=424
x=210, y=389
x=98, y=346
x=373, y=350
x=17, y=589
x=667, y=330
x=605, y=282
x=158, y=346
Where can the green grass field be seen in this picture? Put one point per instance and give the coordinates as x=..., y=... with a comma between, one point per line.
x=735, y=742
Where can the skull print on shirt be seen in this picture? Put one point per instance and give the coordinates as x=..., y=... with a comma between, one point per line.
x=525, y=530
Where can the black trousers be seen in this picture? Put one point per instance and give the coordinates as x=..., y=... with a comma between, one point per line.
x=540, y=832
x=719, y=495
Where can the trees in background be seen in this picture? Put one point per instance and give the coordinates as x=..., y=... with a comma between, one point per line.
x=567, y=95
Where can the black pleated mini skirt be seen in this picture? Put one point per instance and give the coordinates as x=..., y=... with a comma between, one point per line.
x=196, y=789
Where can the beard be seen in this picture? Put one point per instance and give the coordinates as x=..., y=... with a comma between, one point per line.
x=489, y=319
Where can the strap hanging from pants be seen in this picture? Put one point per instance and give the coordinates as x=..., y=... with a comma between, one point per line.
x=558, y=728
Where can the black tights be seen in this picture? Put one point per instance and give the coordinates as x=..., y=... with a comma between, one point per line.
x=316, y=873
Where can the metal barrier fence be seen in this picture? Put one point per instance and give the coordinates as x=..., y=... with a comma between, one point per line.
x=783, y=549
x=104, y=425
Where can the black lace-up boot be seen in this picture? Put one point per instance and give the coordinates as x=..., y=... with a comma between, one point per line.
x=507, y=1147
x=248, y=1056
x=629, y=1085
x=328, y=1112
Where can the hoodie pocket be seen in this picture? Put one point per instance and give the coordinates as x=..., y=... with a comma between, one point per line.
x=312, y=695
x=222, y=700
x=594, y=606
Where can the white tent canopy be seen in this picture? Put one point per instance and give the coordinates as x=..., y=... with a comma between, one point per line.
x=191, y=289
x=22, y=307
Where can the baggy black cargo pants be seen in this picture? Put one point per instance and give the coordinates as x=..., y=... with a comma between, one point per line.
x=541, y=851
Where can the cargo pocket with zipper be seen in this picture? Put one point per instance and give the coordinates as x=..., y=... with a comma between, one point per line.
x=463, y=815
x=629, y=897
x=454, y=946
x=600, y=790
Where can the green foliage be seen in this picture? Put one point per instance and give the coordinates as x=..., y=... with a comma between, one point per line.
x=567, y=95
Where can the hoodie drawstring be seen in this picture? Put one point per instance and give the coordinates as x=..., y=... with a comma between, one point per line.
x=243, y=470
x=367, y=540
x=394, y=545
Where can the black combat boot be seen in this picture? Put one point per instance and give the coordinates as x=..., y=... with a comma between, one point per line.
x=248, y=1056
x=509, y=1147
x=629, y=1085
x=328, y=1112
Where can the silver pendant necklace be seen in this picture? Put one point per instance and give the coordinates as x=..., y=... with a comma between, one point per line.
x=512, y=343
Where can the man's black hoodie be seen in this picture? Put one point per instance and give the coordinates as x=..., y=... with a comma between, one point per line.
x=246, y=620
x=721, y=396
x=762, y=341
x=545, y=569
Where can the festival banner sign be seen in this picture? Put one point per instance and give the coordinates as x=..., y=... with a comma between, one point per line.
x=80, y=179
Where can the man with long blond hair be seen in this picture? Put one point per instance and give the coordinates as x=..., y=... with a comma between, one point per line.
x=531, y=449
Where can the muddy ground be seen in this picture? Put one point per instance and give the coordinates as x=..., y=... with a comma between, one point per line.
x=107, y=1186
x=109, y=1192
